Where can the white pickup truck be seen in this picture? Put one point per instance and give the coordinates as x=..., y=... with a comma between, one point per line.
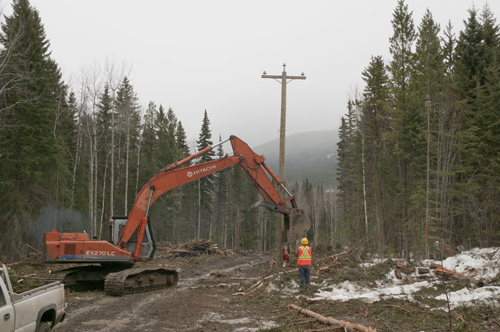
x=37, y=310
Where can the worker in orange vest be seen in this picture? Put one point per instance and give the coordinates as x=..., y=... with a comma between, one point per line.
x=304, y=264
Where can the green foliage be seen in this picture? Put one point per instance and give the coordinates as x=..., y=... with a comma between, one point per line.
x=205, y=184
x=33, y=168
x=428, y=151
x=419, y=146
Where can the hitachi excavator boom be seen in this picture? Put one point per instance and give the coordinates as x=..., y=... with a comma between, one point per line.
x=131, y=239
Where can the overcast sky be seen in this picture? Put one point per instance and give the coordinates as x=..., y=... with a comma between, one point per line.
x=209, y=54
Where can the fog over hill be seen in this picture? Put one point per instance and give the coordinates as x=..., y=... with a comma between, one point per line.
x=311, y=155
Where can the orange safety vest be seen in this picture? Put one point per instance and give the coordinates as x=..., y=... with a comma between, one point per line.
x=304, y=255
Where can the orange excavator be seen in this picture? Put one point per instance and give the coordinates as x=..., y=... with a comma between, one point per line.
x=131, y=238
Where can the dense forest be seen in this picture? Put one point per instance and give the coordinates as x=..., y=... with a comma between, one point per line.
x=417, y=154
x=419, y=146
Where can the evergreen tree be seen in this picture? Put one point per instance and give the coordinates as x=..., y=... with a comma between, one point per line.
x=148, y=144
x=469, y=54
x=404, y=112
x=401, y=66
x=449, y=44
x=167, y=153
x=221, y=203
x=188, y=212
x=431, y=80
x=104, y=122
x=205, y=184
x=32, y=160
x=181, y=140
x=376, y=98
x=375, y=125
x=429, y=60
x=72, y=142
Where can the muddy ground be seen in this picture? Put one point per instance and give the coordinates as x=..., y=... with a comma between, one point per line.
x=240, y=292
x=202, y=300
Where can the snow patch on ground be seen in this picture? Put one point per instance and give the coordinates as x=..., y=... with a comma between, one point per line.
x=481, y=264
x=478, y=263
x=215, y=317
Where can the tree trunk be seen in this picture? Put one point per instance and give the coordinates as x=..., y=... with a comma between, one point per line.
x=77, y=158
x=138, y=164
x=127, y=153
x=364, y=188
x=91, y=179
x=112, y=178
x=331, y=321
x=96, y=174
x=103, y=197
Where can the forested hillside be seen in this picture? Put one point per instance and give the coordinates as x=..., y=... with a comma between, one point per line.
x=419, y=149
x=311, y=155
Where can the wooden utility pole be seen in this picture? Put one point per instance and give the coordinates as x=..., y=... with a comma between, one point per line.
x=280, y=234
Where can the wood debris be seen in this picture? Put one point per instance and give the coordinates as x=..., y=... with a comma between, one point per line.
x=258, y=285
x=332, y=321
x=439, y=271
x=404, y=268
x=442, y=272
x=446, y=251
x=194, y=247
x=327, y=264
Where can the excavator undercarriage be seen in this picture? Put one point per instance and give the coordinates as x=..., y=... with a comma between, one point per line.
x=138, y=280
x=116, y=280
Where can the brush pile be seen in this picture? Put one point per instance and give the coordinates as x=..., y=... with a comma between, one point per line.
x=195, y=247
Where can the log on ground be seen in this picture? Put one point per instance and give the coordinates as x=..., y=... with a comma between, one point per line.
x=331, y=321
x=404, y=268
x=442, y=272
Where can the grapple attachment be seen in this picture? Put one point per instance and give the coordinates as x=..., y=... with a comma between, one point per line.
x=296, y=226
x=296, y=223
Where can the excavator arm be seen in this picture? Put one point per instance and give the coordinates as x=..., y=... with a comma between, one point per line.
x=127, y=233
x=172, y=176
x=126, y=243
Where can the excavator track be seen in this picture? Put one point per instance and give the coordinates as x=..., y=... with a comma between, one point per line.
x=139, y=280
x=84, y=277
x=60, y=275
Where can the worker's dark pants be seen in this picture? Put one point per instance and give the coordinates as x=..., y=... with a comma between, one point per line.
x=305, y=274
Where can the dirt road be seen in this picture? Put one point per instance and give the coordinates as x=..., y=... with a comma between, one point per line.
x=203, y=301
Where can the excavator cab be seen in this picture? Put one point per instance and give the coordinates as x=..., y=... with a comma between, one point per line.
x=117, y=224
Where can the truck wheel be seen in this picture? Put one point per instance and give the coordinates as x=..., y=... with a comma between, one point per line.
x=44, y=327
